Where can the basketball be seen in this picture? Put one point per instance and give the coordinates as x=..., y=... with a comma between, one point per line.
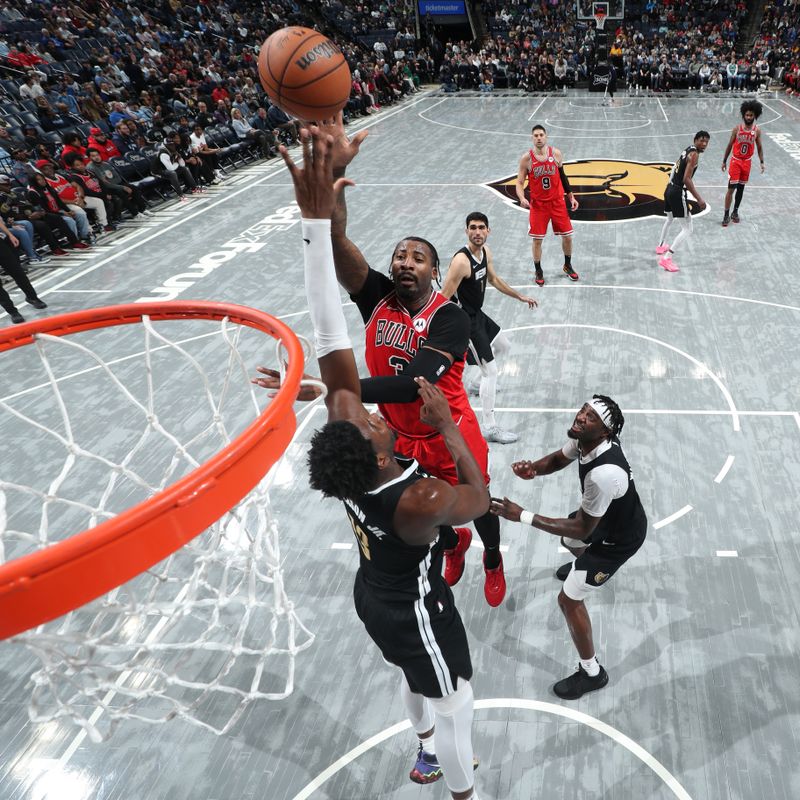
x=304, y=73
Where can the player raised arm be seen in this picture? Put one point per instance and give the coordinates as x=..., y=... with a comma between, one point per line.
x=434, y=502
x=458, y=270
x=499, y=284
x=351, y=266
x=522, y=177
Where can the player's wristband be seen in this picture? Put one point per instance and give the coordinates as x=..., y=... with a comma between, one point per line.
x=526, y=517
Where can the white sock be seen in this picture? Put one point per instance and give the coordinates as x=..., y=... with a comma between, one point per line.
x=591, y=666
x=489, y=393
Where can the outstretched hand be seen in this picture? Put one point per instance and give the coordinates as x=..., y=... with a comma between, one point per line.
x=314, y=187
x=272, y=381
x=345, y=149
x=529, y=300
x=505, y=508
x=434, y=410
x=524, y=470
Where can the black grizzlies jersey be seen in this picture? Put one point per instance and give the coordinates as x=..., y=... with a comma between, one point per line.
x=679, y=167
x=388, y=564
x=625, y=522
x=471, y=290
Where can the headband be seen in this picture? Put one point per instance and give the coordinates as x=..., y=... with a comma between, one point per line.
x=602, y=410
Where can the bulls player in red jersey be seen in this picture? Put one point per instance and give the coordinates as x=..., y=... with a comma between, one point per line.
x=744, y=139
x=542, y=168
x=414, y=331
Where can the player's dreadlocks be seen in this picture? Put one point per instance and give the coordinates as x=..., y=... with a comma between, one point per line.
x=341, y=462
x=751, y=105
x=617, y=420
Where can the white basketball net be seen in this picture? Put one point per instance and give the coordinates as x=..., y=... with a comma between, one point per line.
x=600, y=21
x=205, y=632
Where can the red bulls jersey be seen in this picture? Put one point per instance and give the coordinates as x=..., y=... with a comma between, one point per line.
x=544, y=180
x=745, y=143
x=393, y=337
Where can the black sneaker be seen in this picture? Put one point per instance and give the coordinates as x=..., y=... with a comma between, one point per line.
x=726, y=220
x=570, y=273
x=735, y=216
x=563, y=571
x=36, y=302
x=16, y=317
x=578, y=684
x=539, y=277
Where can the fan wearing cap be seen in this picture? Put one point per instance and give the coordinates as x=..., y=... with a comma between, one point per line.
x=100, y=142
x=607, y=529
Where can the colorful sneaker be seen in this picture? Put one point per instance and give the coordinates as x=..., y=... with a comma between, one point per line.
x=663, y=248
x=570, y=273
x=726, y=219
x=454, y=559
x=578, y=684
x=497, y=434
x=426, y=769
x=539, y=277
x=668, y=264
x=494, y=585
x=735, y=217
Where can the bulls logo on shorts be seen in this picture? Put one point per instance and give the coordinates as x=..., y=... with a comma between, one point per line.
x=608, y=190
x=419, y=324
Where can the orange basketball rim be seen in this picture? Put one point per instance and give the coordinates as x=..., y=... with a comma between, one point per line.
x=44, y=585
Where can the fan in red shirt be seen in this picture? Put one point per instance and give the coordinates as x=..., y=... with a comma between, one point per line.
x=106, y=148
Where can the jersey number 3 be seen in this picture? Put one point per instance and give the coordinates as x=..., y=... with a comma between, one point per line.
x=363, y=539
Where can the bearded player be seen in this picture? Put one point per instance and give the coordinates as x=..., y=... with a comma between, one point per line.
x=744, y=139
x=414, y=331
x=542, y=168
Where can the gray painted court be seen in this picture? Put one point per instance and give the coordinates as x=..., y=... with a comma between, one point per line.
x=699, y=632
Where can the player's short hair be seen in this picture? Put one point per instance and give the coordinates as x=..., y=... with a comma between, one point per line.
x=427, y=244
x=477, y=216
x=341, y=461
x=538, y=128
x=751, y=105
x=702, y=135
x=617, y=420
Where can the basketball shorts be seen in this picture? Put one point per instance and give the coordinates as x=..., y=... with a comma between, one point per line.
x=739, y=170
x=482, y=331
x=554, y=211
x=675, y=202
x=594, y=567
x=434, y=457
x=425, y=638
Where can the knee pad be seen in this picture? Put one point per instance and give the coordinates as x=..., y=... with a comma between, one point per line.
x=500, y=344
x=450, y=704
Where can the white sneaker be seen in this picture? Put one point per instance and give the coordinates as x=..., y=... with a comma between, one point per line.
x=219, y=174
x=497, y=434
x=147, y=213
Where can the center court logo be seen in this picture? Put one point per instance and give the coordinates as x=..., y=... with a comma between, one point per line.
x=608, y=190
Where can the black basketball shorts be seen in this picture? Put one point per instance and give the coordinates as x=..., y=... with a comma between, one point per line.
x=425, y=638
x=482, y=332
x=675, y=201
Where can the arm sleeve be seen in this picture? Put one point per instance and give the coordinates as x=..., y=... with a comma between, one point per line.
x=449, y=331
x=602, y=485
x=403, y=388
x=375, y=288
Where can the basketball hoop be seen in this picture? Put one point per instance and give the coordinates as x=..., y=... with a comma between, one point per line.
x=138, y=605
x=600, y=19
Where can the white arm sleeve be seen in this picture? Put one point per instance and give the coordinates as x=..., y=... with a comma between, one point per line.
x=602, y=485
x=322, y=289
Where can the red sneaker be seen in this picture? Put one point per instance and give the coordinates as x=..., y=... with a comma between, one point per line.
x=80, y=246
x=494, y=586
x=454, y=559
x=539, y=277
x=570, y=273
x=58, y=252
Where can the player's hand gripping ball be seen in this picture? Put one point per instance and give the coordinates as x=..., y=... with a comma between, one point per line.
x=304, y=73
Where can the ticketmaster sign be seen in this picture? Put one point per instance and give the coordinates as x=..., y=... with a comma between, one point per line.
x=438, y=8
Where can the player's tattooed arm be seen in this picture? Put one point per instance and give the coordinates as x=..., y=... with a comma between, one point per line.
x=689, y=183
x=760, y=151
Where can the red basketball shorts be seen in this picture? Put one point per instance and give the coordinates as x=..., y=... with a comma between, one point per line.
x=554, y=211
x=434, y=457
x=739, y=170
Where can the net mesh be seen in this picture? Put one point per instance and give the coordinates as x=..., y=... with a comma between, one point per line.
x=210, y=629
x=600, y=20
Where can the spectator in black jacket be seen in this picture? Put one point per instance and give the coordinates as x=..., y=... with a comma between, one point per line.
x=122, y=194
